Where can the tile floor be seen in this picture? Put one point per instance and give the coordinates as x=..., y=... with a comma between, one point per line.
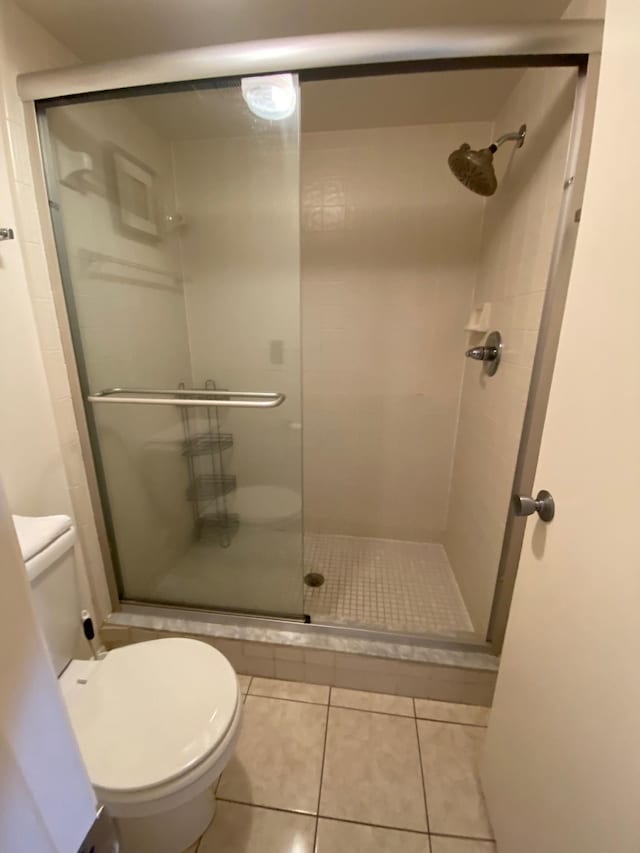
x=331, y=770
x=384, y=584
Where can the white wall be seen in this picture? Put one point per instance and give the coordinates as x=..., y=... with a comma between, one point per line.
x=517, y=241
x=40, y=455
x=389, y=257
x=30, y=457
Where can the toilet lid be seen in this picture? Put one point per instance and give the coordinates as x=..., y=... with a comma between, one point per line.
x=151, y=711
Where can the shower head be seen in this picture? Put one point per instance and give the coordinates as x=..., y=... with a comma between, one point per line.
x=475, y=169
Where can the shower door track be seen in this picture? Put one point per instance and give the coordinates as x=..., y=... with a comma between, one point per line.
x=264, y=622
x=551, y=44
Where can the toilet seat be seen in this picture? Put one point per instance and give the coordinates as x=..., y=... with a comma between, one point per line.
x=154, y=719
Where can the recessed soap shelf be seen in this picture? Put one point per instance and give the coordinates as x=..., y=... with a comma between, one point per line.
x=479, y=319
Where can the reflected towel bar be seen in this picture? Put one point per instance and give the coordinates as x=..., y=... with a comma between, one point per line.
x=89, y=257
x=189, y=397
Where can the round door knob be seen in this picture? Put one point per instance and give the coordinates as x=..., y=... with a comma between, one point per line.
x=543, y=504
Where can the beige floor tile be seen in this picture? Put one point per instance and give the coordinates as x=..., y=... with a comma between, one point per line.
x=278, y=758
x=372, y=770
x=335, y=836
x=248, y=829
x=244, y=681
x=460, y=845
x=452, y=712
x=364, y=701
x=454, y=798
x=277, y=689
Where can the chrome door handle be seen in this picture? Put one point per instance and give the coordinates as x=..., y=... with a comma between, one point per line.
x=543, y=504
x=189, y=397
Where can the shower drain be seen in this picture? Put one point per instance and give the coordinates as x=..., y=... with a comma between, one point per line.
x=314, y=579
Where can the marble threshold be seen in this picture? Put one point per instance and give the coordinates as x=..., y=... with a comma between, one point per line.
x=323, y=658
x=304, y=638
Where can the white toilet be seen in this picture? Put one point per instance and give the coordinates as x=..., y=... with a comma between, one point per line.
x=156, y=721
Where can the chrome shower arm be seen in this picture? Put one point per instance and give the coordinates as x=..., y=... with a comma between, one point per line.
x=516, y=136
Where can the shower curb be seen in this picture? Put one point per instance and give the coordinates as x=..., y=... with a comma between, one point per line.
x=319, y=657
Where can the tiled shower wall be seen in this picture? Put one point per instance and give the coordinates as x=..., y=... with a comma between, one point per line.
x=240, y=248
x=517, y=241
x=390, y=249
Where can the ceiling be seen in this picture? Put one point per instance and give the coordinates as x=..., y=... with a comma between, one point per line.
x=97, y=30
x=406, y=99
x=341, y=104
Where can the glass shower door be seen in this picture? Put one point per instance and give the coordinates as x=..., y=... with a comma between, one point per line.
x=177, y=221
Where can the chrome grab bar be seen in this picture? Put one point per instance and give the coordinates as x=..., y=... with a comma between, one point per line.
x=189, y=397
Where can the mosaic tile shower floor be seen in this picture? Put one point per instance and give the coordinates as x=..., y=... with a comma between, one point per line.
x=384, y=584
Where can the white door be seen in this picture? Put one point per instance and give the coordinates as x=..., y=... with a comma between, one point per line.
x=47, y=804
x=561, y=769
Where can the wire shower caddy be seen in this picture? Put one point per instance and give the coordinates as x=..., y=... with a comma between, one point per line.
x=204, y=448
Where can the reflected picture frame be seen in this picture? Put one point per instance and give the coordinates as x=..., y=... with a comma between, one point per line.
x=136, y=196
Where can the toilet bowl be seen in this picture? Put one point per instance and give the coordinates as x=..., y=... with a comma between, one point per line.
x=156, y=721
x=273, y=506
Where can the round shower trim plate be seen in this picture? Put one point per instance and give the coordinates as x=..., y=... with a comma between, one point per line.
x=523, y=133
x=493, y=342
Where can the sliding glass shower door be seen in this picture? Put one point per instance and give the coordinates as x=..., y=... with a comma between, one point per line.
x=177, y=220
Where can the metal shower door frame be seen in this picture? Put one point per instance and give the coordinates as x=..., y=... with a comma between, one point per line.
x=557, y=44
x=558, y=276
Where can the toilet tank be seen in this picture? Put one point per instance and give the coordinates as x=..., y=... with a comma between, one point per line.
x=52, y=575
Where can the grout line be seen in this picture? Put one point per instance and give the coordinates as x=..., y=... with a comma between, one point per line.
x=364, y=710
x=424, y=784
x=268, y=808
x=289, y=698
x=452, y=722
x=246, y=692
x=463, y=837
x=282, y=810
x=369, y=710
x=324, y=754
x=420, y=832
x=351, y=821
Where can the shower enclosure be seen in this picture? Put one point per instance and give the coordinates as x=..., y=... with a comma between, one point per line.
x=271, y=283
x=179, y=212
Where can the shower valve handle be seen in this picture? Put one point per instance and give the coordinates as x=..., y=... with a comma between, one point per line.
x=490, y=353
x=482, y=353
